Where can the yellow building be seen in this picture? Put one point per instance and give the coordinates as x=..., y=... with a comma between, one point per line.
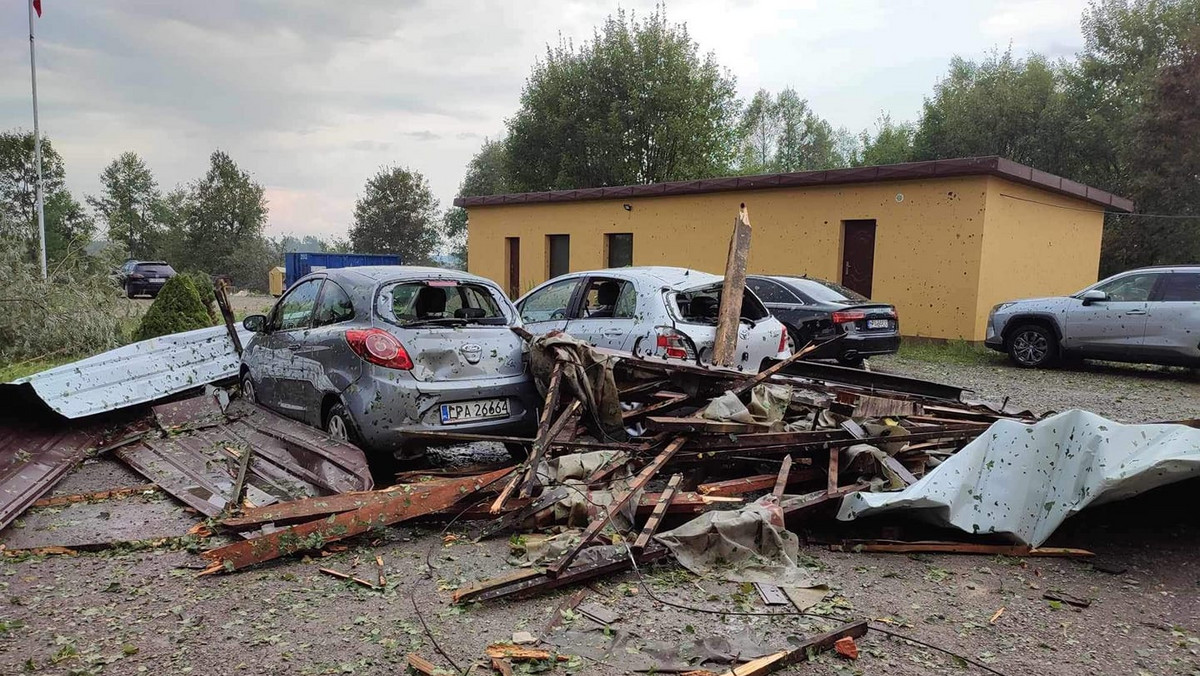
x=943, y=240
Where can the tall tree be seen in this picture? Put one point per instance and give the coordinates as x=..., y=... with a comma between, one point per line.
x=487, y=174
x=67, y=224
x=222, y=216
x=891, y=143
x=129, y=204
x=397, y=213
x=759, y=130
x=806, y=141
x=635, y=104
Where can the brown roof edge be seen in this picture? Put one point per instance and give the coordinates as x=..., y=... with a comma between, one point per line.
x=963, y=166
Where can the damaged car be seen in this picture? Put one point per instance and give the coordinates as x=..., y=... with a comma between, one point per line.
x=373, y=355
x=660, y=311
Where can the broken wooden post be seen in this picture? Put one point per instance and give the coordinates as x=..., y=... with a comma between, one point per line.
x=781, y=481
x=783, y=658
x=729, y=316
x=656, y=517
x=221, y=291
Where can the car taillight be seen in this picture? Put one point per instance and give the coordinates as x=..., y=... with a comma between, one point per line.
x=136, y=275
x=673, y=344
x=379, y=347
x=782, y=340
x=848, y=316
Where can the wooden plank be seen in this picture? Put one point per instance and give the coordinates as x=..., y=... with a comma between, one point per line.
x=594, y=528
x=704, y=425
x=834, y=453
x=649, y=386
x=801, y=504
x=59, y=500
x=546, y=423
x=782, y=479
x=505, y=493
x=767, y=373
x=614, y=561
x=900, y=470
x=672, y=402
x=568, y=603
x=221, y=292
x=732, y=289
x=421, y=665
x=656, y=517
x=543, y=442
x=783, y=658
x=239, y=486
x=346, y=576
x=936, y=547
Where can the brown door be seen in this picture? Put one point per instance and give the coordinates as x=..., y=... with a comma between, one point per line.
x=513, y=253
x=858, y=255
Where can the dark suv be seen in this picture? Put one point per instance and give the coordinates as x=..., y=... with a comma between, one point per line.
x=144, y=278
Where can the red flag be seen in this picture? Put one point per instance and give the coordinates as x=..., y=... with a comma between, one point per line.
x=37, y=7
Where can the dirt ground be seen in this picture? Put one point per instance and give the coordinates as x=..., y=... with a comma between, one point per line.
x=127, y=612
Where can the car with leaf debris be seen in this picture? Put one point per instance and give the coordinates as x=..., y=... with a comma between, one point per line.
x=375, y=354
x=661, y=311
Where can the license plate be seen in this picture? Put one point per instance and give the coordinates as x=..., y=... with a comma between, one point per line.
x=879, y=323
x=481, y=409
x=158, y=280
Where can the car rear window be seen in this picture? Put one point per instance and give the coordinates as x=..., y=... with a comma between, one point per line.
x=154, y=269
x=823, y=291
x=701, y=305
x=439, y=301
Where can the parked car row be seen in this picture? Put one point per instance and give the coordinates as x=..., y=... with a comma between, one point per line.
x=372, y=354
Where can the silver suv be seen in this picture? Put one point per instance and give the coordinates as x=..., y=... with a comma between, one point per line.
x=1147, y=315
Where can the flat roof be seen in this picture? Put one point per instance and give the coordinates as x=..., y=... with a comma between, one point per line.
x=963, y=166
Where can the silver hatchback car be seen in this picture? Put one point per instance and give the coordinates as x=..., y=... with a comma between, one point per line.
x=661, y=311
x=372, y=354
x=1149, y=315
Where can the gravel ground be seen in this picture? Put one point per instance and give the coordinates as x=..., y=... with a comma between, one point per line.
x=1122, y=392
x=129, y=612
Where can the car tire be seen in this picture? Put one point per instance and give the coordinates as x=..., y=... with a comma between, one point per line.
x=850, y=362
x=128, y=291
x=339, y=425
x=1033, y=346
x=248, y=392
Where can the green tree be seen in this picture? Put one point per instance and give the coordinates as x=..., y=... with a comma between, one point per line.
x=129, y=204
x=219, y=221
x=177, y=308
x=67, y=224
x=891, y=143
x=759, y=131
x=635, y=104
x=806, y=141
x=487, y=174
x=397, y=213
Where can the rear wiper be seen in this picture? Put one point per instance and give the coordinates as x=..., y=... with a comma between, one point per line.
x=435, y=320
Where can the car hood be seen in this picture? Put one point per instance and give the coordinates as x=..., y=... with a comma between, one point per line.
x=1046, y=303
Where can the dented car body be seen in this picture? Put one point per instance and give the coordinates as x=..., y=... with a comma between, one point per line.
x=660, y=311
x=374, y=354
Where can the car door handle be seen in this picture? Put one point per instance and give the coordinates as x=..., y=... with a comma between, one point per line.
x=613, y=333
x=1136, y=312
x=294, y=347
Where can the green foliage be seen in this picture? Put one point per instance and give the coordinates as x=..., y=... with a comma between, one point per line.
x=782, y=133
x=176, y=309
x=204, y=289
x=892, y=143
x=76, y=313
x=635, y=104
x=487, y=174
x=68, y=227
x=397, y=213
x=130, y=205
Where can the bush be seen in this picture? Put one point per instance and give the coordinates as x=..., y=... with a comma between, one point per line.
x=204, y=287
x=76, y=313
x=177, y=308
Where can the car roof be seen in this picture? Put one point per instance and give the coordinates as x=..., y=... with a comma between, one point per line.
x=399, y=273
x=1180, y=267
x=676, y=279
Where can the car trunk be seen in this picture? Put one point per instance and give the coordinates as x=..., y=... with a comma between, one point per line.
x=463, y=353
x=871, y=317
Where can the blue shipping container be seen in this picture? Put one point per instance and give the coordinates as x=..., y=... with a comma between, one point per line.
x=296, y=265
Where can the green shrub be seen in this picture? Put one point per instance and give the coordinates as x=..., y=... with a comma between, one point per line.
x=204, y=286
x=177, y=308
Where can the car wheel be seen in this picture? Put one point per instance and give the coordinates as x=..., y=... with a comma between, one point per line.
x=128, y=291
x=851, y=362
x=339, y=425
x=1032, y=346
x=248, y=388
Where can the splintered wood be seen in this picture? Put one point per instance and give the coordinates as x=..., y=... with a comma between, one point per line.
x=730, y=312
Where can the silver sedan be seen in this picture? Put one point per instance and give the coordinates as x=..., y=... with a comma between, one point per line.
x=373, y=354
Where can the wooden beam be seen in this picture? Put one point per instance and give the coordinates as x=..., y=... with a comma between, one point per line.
x=656, y=517
x=900, y=470
x=59, y=500
x=732, y=289
x=534, y=581
x=671, y=402
x=935, y=547
x=619, y=502
x=783, y=658
x=704, y=425
x=834, y=453
x=782, y=479
x=758, y=482
x=767, y=373
x=543, y=442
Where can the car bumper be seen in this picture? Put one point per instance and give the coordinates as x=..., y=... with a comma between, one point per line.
x=994, y=342
x=150, y=288
x=865, y=345
x=387, y=409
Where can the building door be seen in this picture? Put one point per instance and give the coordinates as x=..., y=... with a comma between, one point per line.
x=858, y=255
x=513, y=252
x=558, y=258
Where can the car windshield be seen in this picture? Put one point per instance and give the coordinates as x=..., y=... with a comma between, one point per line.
x=440, y=301
x=822, y=291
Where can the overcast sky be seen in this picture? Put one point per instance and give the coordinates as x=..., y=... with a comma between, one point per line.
x=313, y=96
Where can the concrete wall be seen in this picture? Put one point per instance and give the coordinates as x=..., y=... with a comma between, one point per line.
x=929, y=247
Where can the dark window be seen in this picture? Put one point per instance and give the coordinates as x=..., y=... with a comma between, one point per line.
x=610, y=298
x=1181, y=286
x=620, y=249
x=550, y=302
x=433, y=300
x=558, y=252
x=335, y=306
x=295, y=309
x=154, y=269
x=771, y=292
x=823, y=291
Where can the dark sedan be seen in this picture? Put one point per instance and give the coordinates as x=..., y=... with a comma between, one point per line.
x=144, y=278
x=817, y=310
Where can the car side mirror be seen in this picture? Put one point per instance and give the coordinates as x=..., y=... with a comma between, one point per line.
x=1093, y=296
x=255, y=323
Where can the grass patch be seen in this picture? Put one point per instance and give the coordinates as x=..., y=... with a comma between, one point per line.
x=949, y=352
x=10, y=372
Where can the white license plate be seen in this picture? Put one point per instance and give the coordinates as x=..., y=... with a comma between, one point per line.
x=879, y=323
x=158, y=280
x=480, y=409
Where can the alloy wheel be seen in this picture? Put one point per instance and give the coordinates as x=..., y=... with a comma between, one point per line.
x=1031, y=347
x=248, y=390
x=336, y=427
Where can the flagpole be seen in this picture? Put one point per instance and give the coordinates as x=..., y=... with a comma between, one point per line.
x=37, y=145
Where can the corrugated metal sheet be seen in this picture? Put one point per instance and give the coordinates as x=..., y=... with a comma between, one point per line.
x=32, y=460
x=134, y=374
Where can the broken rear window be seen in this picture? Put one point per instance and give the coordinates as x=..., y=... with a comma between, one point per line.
x=701, y=306
x=439, y=301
